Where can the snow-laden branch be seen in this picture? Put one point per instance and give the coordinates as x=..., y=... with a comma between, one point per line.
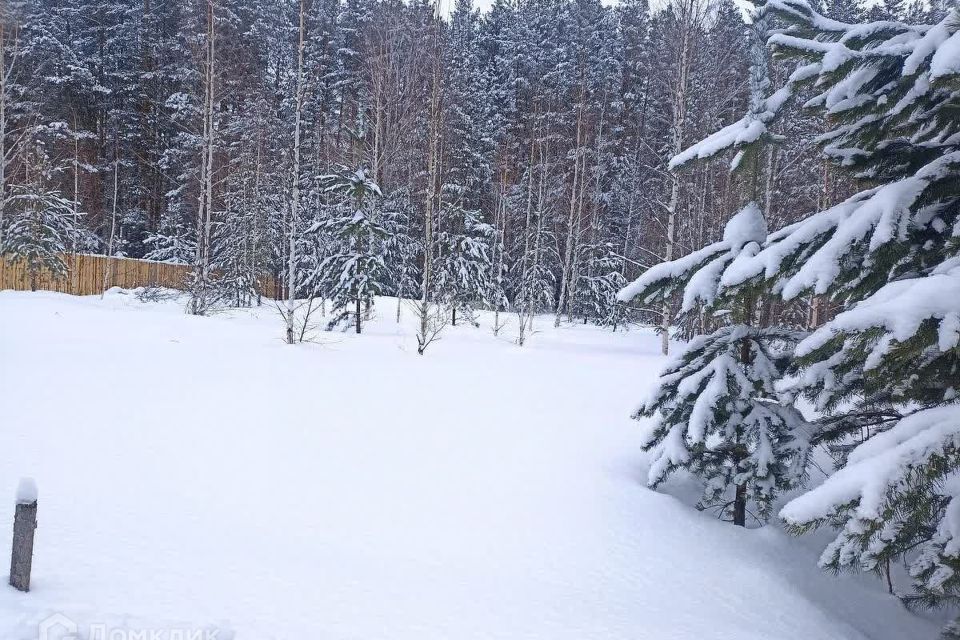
x=699, y=273
x=899, y=308
x=884, y=461
x=750, y=128
x=870, y=219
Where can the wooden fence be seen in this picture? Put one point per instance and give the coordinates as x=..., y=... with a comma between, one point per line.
x=88, y=273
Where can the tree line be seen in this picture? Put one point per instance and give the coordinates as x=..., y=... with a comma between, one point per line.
x=516, y=159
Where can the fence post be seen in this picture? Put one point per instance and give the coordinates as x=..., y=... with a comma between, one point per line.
x=24, y=525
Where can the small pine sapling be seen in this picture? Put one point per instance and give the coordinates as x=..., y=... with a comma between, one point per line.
x=715, y=411
x=354, y=271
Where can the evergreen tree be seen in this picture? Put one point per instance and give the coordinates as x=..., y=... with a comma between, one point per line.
x=400, y=247
x=601, y=281
x=468, y=110
x=463, y=261
x=41, y=225
x=354, y=271
x=347, y=79
x=716, y=410
x=885, y=368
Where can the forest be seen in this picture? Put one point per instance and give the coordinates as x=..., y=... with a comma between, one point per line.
x=518, y=156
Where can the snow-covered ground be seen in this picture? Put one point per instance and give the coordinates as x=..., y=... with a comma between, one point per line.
x=197, y=473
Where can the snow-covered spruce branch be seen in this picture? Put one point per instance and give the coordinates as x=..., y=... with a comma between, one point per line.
x=882, y=372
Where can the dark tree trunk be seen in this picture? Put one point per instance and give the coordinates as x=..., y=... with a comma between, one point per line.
x=358, y=315
x=746, y=359
x=740, y=506
x=454, y=316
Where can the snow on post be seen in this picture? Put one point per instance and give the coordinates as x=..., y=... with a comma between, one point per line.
x=27, y=491
x=24, y=526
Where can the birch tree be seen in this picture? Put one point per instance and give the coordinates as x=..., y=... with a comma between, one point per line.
x=430, y=316
x=689, y=16
x=293, y=229
x=201, y=290
x=9, y=55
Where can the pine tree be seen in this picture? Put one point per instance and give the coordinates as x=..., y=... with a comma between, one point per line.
x=883, y=371
x=354, y=18
x=601, y=281
x=463, y=261
x=468, y=110
x=41, y=227
x=400, y=247
x=716, y=410
x=354, y=271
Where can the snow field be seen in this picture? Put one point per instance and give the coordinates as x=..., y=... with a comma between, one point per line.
x=198, y=473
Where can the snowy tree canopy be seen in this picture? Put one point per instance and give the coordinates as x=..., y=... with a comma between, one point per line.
x=353, y=269
x=883, y=371
x=697, y=275
x=716, y=412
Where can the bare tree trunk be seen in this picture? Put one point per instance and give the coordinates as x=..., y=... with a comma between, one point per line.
x=433, y=197
x=195, y=303
x=295, y=195
x=377, y=127
x=568, y=252
x=108, y=272
x=689, y=21
x=35, y=220
x=4, y=74
x=258, y=210
x=208, y=191
x=76, y=185
x=538, y=239
x=740, y=495
x=740, y=506
x=499, y=241
x=199, y=300
x=524, y=305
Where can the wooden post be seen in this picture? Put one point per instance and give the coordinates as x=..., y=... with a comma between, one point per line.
x=24, y=525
